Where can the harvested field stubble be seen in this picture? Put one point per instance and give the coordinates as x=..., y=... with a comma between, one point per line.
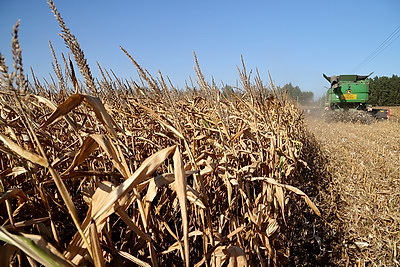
x=364, y=161
x=120, y=174
x=394, y=112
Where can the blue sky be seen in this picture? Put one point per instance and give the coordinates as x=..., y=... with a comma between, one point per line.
x=296, y=41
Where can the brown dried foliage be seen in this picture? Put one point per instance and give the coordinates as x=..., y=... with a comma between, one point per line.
x=150, y=175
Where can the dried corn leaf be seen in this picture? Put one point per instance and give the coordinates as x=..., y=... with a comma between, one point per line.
x=76, y=249
x=87, y=148
x=26, y=223
x=102, y=114
x=39, y=251
x=133, y=259
x=177, y=245
x=14, y=192
x=54, y=107
x=17, y=171
x=180, y=188
x=46, y=101
x=293, y=189
x=97, y=252
x=141, y=174
x=237, y=257
x=64, y=108
x=111, y=151
x=63, y=157
x=128, y=221
x=168, y=178
x=33, y=157
x=151, y=191
x=280, y=197
x=67, y=201
x=194, y=197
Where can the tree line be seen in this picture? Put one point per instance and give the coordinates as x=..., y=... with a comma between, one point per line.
x=293, y=92
x=384, y=91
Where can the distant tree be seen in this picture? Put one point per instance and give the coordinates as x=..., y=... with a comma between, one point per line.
x=307, y=97
x=385, y=91
x=320, y=102
x=228, y=91
x=295, y=93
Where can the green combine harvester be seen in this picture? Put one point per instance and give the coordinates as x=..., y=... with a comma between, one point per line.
x=347, y=100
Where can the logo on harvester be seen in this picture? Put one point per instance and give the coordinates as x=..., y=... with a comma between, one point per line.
x=348, y=96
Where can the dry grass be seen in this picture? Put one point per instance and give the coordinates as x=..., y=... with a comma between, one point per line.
x=148, y=175
x=364, y=162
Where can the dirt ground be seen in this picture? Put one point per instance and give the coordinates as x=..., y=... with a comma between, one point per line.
x=364, y=161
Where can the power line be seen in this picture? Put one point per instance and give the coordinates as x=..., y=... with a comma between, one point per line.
x=379, y=49
x=382, y=49
x=387, y=42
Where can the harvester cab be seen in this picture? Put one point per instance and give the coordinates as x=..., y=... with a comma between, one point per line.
x=347, y=99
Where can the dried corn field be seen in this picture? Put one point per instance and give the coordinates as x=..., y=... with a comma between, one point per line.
x=364, y=163
x=121, y=173
x=114, y=172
